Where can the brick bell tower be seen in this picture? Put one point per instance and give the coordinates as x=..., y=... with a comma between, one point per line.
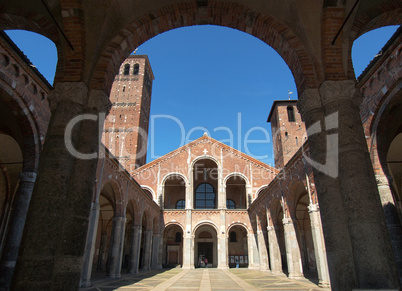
x=126, y=127
x=288, y=130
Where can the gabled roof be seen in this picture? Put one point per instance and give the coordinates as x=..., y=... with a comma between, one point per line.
x=202, y=139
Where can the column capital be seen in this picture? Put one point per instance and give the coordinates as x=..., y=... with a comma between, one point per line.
x=309, y=100
x=337, y=91
x=313, y=208
x=287, y=220
x=99, y=101
x=75, y=92
x=270, y=228
x=29, y=177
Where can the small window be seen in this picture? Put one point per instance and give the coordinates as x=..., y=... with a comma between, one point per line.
x=126, y=69
x=180, y=204
x=230, y=204
x=233, y=237
x=124, y=88
x=297, y=141
x=177, y=237
x=291, y=114
x=136, y=69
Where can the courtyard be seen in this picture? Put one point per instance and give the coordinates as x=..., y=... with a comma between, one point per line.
x=203, y=279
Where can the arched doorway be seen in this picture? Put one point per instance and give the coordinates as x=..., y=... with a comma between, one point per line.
x=205, y=246
x=237, y=247
x=172, y=246
x=105, y=229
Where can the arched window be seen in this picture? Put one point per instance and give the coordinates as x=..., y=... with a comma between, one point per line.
x=230, y=204
x=291, y=114
x=205, y=196
x=178, y=237
x=126, y=69
x=233, y=236
x=136, y=69
x=181, y=204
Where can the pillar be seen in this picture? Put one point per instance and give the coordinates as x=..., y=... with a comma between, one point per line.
x=253, y=253
x=358, y=244
x=135, y=250
x=17, y=223
x=264, y=266
x=90, y=245
x=188, y=241
x=147, y=250
x=319, y=246
x=274, y=251
x=156, y=238
x=293, y=256
x=102, y=250
x=52, y=250
x=222, y=242
x=116, y=244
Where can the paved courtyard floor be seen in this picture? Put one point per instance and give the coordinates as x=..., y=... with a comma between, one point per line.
x=203, y=279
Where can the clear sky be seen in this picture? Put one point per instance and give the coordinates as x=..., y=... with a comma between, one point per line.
x=210, y=78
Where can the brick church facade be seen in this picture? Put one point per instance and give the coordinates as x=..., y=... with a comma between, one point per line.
x=66, y=219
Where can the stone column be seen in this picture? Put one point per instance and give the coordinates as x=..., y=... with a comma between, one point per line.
x=16, y=228
x=188, y=240
x=274, y=251
x=264, y=266
x=90, y=245
x=113, y=262
x=253, y=253
x=361, y=257
x=222, y=242
x=292, y=249
x=155, y=251
x=135, y=250
x=147, y=250
x=56, y=227
x=102, y=250
x=338, y=247
x=319, y=246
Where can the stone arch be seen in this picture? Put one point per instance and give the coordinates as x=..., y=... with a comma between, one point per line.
x=233, y=224
x=118, y=191
x=174, y=174
x=174, y=191
x=237, y=241
x=205, y=237
x=373, y=17
x=237, y=174
x=27, y=133
x=296, y=188
x=173, y=237
x=263, y=26
x=206, y=157
x=150, y=190
x=236, y=185
x=261, y=190
x=205, y=183
x=205, y=222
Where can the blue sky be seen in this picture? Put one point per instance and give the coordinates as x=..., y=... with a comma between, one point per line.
x=210, y=78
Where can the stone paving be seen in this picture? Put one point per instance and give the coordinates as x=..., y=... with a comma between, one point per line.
x=203, y=279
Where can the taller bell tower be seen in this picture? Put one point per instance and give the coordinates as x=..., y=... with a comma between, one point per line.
x=126, y=127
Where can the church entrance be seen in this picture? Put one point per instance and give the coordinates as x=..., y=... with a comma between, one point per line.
x=205, y=247
x=205, y=251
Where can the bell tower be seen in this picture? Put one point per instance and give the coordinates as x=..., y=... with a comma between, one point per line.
x=288, y=130
x=126, y=127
